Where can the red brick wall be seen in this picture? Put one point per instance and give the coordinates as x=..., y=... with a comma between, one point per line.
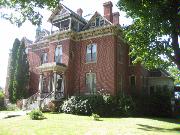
x=122, y=68
x=34, y=61
x=104, y=67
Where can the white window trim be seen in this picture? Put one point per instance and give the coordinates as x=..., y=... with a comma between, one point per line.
x=88, y=62
x=91, y=91
x=58, y=46
x=42, y=58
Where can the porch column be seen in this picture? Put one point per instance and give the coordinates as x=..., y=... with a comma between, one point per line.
x=63, y=86
x=40, y=82
x=49, y=84
x=55, y=82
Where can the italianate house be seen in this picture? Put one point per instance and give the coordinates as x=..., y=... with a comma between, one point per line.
x=83, y=57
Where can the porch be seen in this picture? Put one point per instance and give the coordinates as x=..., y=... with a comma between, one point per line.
x=52, y=81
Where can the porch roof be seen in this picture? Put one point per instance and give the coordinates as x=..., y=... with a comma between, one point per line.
x=54, y=67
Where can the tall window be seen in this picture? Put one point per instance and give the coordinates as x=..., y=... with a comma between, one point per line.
x=151, y=90
x=44, y=58
x=91, y=82
x=120, y=82
x=58, y=54
x=120, y=54
x=91, y=53
x=133, y=81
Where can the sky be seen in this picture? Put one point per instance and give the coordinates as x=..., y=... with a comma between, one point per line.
x=8, y=31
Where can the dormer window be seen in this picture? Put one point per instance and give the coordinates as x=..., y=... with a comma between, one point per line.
x=93, y=24
x=101, y=22
x=64, y=25
x=97, y=21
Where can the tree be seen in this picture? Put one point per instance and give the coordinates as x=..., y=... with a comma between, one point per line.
x=19, y=72
x=26, y=10
x=13, y=63
x=154, y=32
x=175, y=73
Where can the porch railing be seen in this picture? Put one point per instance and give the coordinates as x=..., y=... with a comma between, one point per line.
x=43, y=98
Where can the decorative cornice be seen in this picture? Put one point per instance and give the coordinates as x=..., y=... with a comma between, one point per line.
x=100, y=31
x=39, y=46
x=87, y=34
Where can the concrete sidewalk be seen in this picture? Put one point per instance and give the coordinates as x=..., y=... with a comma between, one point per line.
x=4, y=115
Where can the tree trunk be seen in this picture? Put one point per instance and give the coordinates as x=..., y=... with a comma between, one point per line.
x=176, y=49
x=175, y=34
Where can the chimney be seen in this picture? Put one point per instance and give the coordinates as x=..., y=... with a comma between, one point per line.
x=108, y=11
x=79, y=12
x=116, y=18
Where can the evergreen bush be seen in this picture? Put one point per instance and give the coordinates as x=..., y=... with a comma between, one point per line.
x=36, y=115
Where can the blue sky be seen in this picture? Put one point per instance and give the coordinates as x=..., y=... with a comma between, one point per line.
x=8, y=31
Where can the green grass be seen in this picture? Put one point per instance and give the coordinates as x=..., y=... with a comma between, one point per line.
x=65, y=124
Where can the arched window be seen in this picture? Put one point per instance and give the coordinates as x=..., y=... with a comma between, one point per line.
x=120, y=54
x=91, y=82
x=133, y=80
x=58, y=54
x=120, y=82
x=91, y=53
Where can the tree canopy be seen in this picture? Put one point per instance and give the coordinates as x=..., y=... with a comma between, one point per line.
x=26, y=10
x=153, y=36
x=175, y=73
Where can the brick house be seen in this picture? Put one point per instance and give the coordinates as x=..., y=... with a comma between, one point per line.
x=83, y=57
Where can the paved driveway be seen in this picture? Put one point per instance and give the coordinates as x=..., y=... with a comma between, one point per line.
x=10, y=114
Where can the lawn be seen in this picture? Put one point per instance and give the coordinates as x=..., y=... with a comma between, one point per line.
x=66, y=124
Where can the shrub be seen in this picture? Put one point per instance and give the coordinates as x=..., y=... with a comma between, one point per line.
x=157, y=104
x=36, y=115
x=2, y=107
x=95, y=117
x=12, y=107
x=103, y=104
x=51, y=107
x=76, y=105
x=125, y=104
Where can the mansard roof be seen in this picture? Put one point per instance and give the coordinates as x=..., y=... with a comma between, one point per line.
x=67, y=12
x=96, y=14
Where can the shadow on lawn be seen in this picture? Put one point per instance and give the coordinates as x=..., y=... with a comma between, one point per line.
x=153, y=128
x=174, y=121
